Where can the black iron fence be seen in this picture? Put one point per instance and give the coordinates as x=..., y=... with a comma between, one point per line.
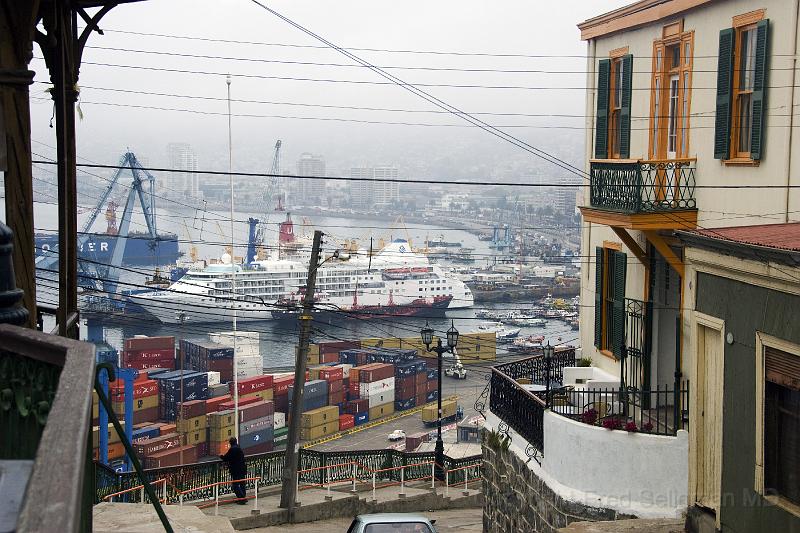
x=517, y=407
x=317, y=468
x=535, y=368
x=636, y=360
x=660, y=411
x=643, y=186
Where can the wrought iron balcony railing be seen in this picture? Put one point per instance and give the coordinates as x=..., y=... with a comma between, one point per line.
x=636, y=186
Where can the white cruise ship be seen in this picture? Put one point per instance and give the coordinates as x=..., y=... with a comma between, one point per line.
x=394, y=277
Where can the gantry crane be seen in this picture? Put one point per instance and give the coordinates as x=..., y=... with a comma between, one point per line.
x=258, y=238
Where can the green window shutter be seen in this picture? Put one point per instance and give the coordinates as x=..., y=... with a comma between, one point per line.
x=722, y=122
x=625, y=108
x=598, y=298
x=618, y=304
x=760, y=90
x=601, y=127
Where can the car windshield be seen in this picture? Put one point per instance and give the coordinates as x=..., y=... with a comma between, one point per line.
x=398, y=527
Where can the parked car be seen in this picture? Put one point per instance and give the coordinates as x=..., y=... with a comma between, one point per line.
x=391, y=523
x=397, y=434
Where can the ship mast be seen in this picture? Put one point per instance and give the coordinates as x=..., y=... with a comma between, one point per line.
x=233, y=265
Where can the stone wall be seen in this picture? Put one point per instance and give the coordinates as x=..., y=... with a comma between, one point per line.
x=516, y=500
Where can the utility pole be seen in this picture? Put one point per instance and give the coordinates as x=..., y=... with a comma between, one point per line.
x=289, y=489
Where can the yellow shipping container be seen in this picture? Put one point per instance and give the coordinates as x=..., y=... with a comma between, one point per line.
x=316, y=417
x=313, y=372
x=266, y=394
x=194, y=437
x=379, y=411
x=322, y=430
x=112, y=434
x=431, y=410
x=313, y=354
x=140, y=404
x=192, y=424
x=221, y=419
x=221, y=434
x=477, y=347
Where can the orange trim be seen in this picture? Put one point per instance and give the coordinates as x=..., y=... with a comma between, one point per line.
x=741, y=162
x=736, y=117
x=679, y=219
x=613, y=245
x=746, y=19
x=632, y=245
x=634, y=15
x=618, y=52
x=608, y=354
x=672, y=30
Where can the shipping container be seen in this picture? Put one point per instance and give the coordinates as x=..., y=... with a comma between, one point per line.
x=413, y=441
x=361, y=418
x=221, y=419
x=213, y=378
x=116, y=450
x=316, y=417
x=149, y=354
x=155, y=445
x=379, y=372
x=380, y=411
x=220, y=447
x=218, y=391
x=193, y=408
x=145, y=415
x=192, y=424
x=432, y=385
x=345, y=369
x=281, y=402
x=195, y=437
x=143, y=342
x=140, y=404
x=335, y=385
x=172, y=457
x=257, y=424
x=254, y=384
x=280, y=385
x=112, y=434
x=346, y=422
x=323, y=430
x=253, y=439
x=357, y=406
x=430, y=412
x=279, y=420
x=145, y=433
x=221, y=434
x=404, y=405
x=255, y=410
x=279, y=438
x=367, y=389
x=380, y=398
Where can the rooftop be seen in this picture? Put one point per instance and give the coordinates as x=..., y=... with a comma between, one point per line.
x=777, y=242
x=634, y=15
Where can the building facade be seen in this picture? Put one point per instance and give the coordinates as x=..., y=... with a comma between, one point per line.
x=368, y=191
x=310, y=191
x=182, y=184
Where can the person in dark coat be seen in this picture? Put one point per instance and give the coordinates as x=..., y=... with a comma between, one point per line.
x=235, y=459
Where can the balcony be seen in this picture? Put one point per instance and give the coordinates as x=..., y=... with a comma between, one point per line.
x=642, y=194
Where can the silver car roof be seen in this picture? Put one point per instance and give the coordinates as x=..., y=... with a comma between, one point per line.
x=396, y=517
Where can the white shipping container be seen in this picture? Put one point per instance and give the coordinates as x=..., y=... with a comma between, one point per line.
x=249, y=361
x=279, y=420
x=242, y=337
x=381, y=398
x=244, y=373
x=213, y=378
x=368, y=389
x=345, y=369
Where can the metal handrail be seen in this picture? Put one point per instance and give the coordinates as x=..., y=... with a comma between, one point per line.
x=216, y=486
x=141, y=488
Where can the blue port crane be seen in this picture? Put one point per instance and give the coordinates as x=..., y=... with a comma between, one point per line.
x=106, y=276
x=258, y=228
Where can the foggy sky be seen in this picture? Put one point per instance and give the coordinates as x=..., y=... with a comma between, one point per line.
x=527, y=27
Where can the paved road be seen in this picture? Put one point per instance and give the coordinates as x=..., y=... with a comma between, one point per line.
x=446, y=521
x=376, y=437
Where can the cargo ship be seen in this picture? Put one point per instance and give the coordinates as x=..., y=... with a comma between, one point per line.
x=395, y=274
x=140, y=249
x=435, y=307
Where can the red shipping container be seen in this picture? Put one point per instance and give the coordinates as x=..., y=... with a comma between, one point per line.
x=421, y=399
x=215, y=404
x=169, y=364
x=432, y=385
x=346, y=422
x=357, y=406
x=335, y=398
x=224, y=406
x=405, y=393
x=281, y=385
x=331, y=373
x=338, y=346
x=420, y=378
x=332, y=357
x=193, y=408
x=146, y=343
x=254, y=384
x=167, y=428
x=404, y=382
x=263, y=447
x=218, y=448
x=141, y=389
x=149, y=354
x=172, y=457
x=145, y=415
x=378, y=372
x=335, y=386
x=202, y=449
x=281, y=403
x=256, y=410
x=144, y=448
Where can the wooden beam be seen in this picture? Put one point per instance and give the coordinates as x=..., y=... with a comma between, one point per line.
x=632, y=245
x=664, y=249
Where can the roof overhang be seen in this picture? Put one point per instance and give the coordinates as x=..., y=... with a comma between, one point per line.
x=650, y=220
x=635, y=15
x=740, y=249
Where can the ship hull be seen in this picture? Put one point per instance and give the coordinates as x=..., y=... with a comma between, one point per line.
x=139, y=249
x=417, y=308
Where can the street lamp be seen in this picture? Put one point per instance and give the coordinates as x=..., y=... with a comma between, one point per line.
x=452, y=340
x=548, y=359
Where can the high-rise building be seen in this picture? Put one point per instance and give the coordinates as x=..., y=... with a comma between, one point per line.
x=185, y=184
x=367, y=194
x=310, y=191
x=386, y=192
x=565, y=197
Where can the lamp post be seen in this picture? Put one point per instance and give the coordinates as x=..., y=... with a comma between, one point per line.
x=452, y=340
x=548, y=359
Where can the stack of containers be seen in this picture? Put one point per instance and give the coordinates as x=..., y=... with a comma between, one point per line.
x=116, y=449
x=192, y=425
x=145, y=399
x=195, y=387
x=248, y=355
x=165, y=450
x=315, y=395
x=321, y=422
x=280, y=431
x=105, y=353
x=255, y=427
x=405, y=385
x=421, y=383
x=221, y=427
x=280, y=392
x=329, y=351
x=346, y=422
x=334, y=375
x=143, y=352
x=432, y=385
x=205, y=356
x=377, y=385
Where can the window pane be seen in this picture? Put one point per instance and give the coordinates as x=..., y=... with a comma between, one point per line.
x=675, y=56
x=687, y=49
x=685, y=118
x=747, y=62
x=656, y=118
x=408, y=527
x=617, y=83
x=745, y=121
x=672, y=132
x=782, y=441
x=658, y=60
x=617, y=133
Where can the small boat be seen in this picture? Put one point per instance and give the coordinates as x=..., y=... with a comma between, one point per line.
x=530, y=342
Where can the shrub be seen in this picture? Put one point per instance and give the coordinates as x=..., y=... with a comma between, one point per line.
x=589, y=417
x=613, y=423
x=631, y=426
x=647, y=426
x=584, y=361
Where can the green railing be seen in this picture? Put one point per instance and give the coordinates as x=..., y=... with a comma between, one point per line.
x=633, y=186
x=268, y=468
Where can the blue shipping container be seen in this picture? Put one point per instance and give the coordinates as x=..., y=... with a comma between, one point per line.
x=361, y=418
x=253, y=439
x=145, y=433
x=431, y=396
x=403, y=405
